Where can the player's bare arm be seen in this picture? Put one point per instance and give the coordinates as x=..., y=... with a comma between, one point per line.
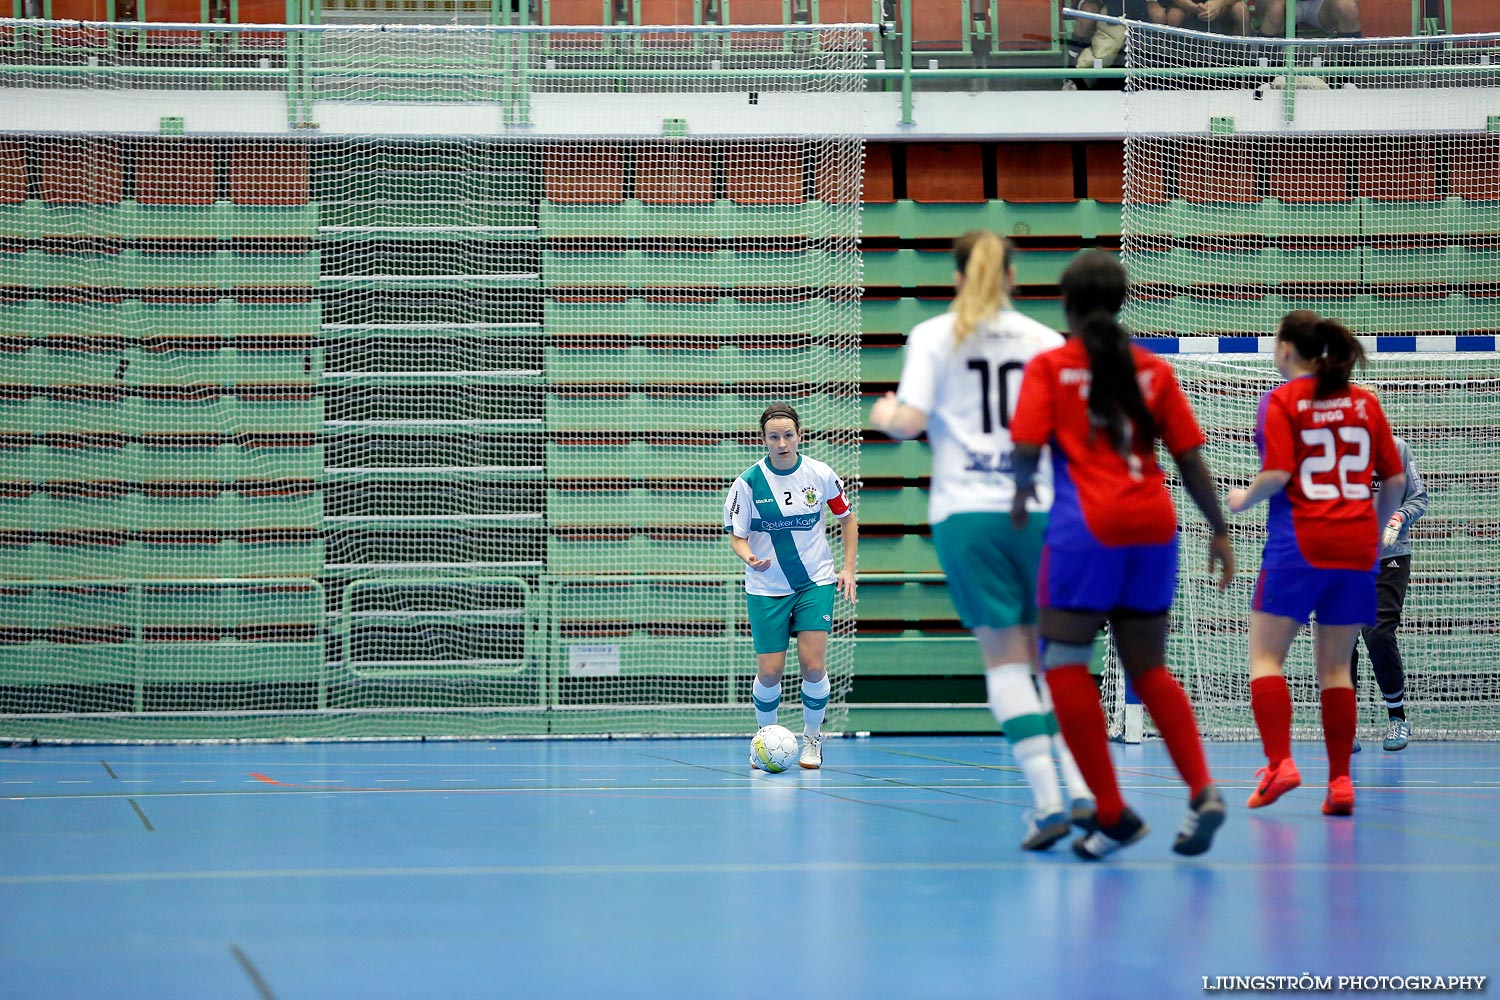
x=1265, y=485
x=1199, y=484
x=741, y=547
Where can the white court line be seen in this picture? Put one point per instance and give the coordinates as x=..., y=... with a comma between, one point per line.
x=74, y=781
x=135, y=781
x=668, y=779
x=26, y=782
x=324, y=781
x=770, y=780
x=198, y=781
x=740, y=868
x=391, y=781
x=458, y=780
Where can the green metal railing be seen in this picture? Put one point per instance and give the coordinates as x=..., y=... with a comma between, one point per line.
x=514, y=61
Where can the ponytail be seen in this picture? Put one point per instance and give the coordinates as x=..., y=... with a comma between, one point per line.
x=984, y=260
x=1329, y=345
x=1093, y=290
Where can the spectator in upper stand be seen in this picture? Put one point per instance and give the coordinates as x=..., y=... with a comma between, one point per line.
x=1093, y=43
x=1337, y=17
x=1170, y=12
x=1227, y=17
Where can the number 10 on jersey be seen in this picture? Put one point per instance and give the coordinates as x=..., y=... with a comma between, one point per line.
x=1007, y=379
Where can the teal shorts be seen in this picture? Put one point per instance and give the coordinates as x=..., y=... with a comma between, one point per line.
x=991, y=567
x=774, y=619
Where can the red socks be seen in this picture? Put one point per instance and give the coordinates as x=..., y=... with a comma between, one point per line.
x=1173, y=715
x=1340, y=718
x=1080, y=717
x=1271, y=702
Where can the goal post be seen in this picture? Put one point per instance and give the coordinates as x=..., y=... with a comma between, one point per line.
x=387, y=381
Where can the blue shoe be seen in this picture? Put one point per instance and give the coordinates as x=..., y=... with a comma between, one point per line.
x=1397, y=734
x=1357, y=748
x=1044, y=831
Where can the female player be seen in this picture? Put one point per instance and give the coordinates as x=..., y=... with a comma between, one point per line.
x=1319, y=438
x=1390, y=589
x=1111, y=544
x=958, y=379
x=774, y=518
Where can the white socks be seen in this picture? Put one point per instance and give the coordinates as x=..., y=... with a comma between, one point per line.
x=814, y=703
x=1013, y=701
x=767, y=701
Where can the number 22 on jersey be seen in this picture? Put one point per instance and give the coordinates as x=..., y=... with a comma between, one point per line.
x=1353, y=466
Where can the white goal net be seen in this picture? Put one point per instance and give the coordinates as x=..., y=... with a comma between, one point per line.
x=1360, y=179
x=388, y=381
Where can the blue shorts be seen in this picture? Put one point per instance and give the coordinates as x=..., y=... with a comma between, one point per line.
x=1105, y=578
x=1335, y=596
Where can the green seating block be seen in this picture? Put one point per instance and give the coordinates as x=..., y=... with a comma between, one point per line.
x=637, y=365
x=227, y=511
x=906, y=505
x=901, y=602
x=897, y=554
x=225, y=661
x=912, y=653
x=637, y=553
x=880, y=364
x=721, y=460
x=1439, y=265
x=159, y=560
x=895, y=460
x=718, y=319
x=164, y=460
x=128, y=220
x=150, y=270
x=676, y=269
x=644, y=411
x=898, y=315
x=910, y=220
x=632, y=219
x=623, y=508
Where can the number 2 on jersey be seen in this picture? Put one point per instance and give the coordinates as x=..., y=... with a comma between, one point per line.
x=1002, y=378
x=1326, y=459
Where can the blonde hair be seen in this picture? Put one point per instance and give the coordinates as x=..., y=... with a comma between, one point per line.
x=983, y=258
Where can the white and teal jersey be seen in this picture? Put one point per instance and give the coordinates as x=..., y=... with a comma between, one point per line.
x=969, y=395
x=781, y=513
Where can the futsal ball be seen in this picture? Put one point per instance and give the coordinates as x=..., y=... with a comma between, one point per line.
x=773, y=748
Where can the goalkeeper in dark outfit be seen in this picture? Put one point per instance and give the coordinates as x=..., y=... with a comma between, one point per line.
x=1390, y=590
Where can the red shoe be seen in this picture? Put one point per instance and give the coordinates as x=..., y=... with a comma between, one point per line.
x=1340, y=801
x=1274, y=783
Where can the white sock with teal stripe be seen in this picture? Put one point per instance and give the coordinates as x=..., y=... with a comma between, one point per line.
x=767, y=701
x=814, y=703
x=1077, y=787
x=1014, y=702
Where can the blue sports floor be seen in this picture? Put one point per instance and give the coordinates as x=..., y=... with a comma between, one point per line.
x=666, y=868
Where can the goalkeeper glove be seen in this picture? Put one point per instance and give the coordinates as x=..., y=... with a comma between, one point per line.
x=1392, y=530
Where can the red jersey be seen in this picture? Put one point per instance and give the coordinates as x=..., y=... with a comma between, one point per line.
x=1333, y=446
x=1103, y=497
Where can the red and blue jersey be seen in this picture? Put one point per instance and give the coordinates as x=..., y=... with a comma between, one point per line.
x=1102, y=496
x=1333, y=446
